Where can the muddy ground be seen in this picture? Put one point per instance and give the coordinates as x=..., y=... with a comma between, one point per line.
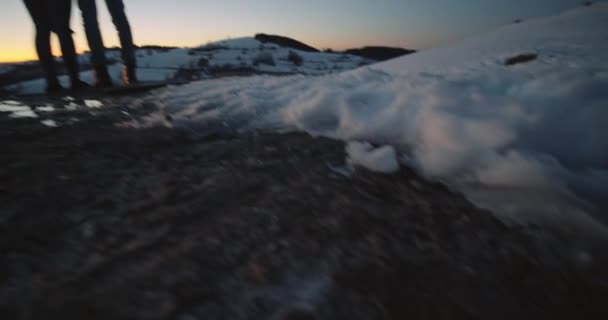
x=102, y=222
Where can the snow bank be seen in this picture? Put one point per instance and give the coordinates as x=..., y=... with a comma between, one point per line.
x=509, y=137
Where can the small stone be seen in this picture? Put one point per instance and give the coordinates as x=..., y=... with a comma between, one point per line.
x=186, y=316
x=416, y=185
x=468, y=269
x=271, y=247
x=213, y=242
x=88, y=230
x=583, y=259
x=295, y=313
x=255, y=273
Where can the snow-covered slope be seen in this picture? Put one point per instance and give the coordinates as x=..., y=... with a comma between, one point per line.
x=527, y=141
x=244, y=55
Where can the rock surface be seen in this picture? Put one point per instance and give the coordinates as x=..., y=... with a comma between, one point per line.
x=101, y=222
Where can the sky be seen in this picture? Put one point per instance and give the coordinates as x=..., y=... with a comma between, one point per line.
x=336, y=24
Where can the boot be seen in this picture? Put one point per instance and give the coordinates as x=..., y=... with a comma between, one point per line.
x=101, y=77
x=128, y=75
x=73, y=71
x=53, y=88
x=78, y=85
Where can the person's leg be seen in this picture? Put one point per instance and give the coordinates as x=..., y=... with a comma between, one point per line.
x=61, y=26
x=38, y=12
x=121, y=22
x=88, y=9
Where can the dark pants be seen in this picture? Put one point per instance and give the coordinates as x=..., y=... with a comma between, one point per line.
x=53, y=16
x=91, y=27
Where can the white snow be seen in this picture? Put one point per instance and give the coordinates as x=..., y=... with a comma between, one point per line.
x=9, y=103
x=71, y=106
x=382, y=159
x=45, y=108
x=95, y=104
x=526, y=141
x=16, y=109
x=163, y=64
x=49, y=123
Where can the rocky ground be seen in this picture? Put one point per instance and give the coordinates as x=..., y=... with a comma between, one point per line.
x=102, y=222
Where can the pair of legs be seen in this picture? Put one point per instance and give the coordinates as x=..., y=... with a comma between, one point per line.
x=91, y=27
x=54, y=16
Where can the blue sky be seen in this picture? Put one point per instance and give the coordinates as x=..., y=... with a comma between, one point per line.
x=334, y=24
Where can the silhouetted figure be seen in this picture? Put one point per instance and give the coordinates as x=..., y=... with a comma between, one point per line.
x=54, y=16
x=98, y=58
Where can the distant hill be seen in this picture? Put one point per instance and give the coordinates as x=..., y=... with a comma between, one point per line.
x=285, y=42
x=157, y=47
x=231, y=57
x=379, y=53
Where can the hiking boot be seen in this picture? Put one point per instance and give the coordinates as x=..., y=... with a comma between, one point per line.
x=79, y=85
x=101, y=77
x=128, y=75
x=54, y=88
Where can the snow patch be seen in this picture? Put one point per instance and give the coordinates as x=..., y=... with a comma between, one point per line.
x=71, y=106
x=17, y=110
x=11, y=103
x=49, y=123
x=382, y=159
x=93, y=104
x=46, y=108
x=26, y=113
